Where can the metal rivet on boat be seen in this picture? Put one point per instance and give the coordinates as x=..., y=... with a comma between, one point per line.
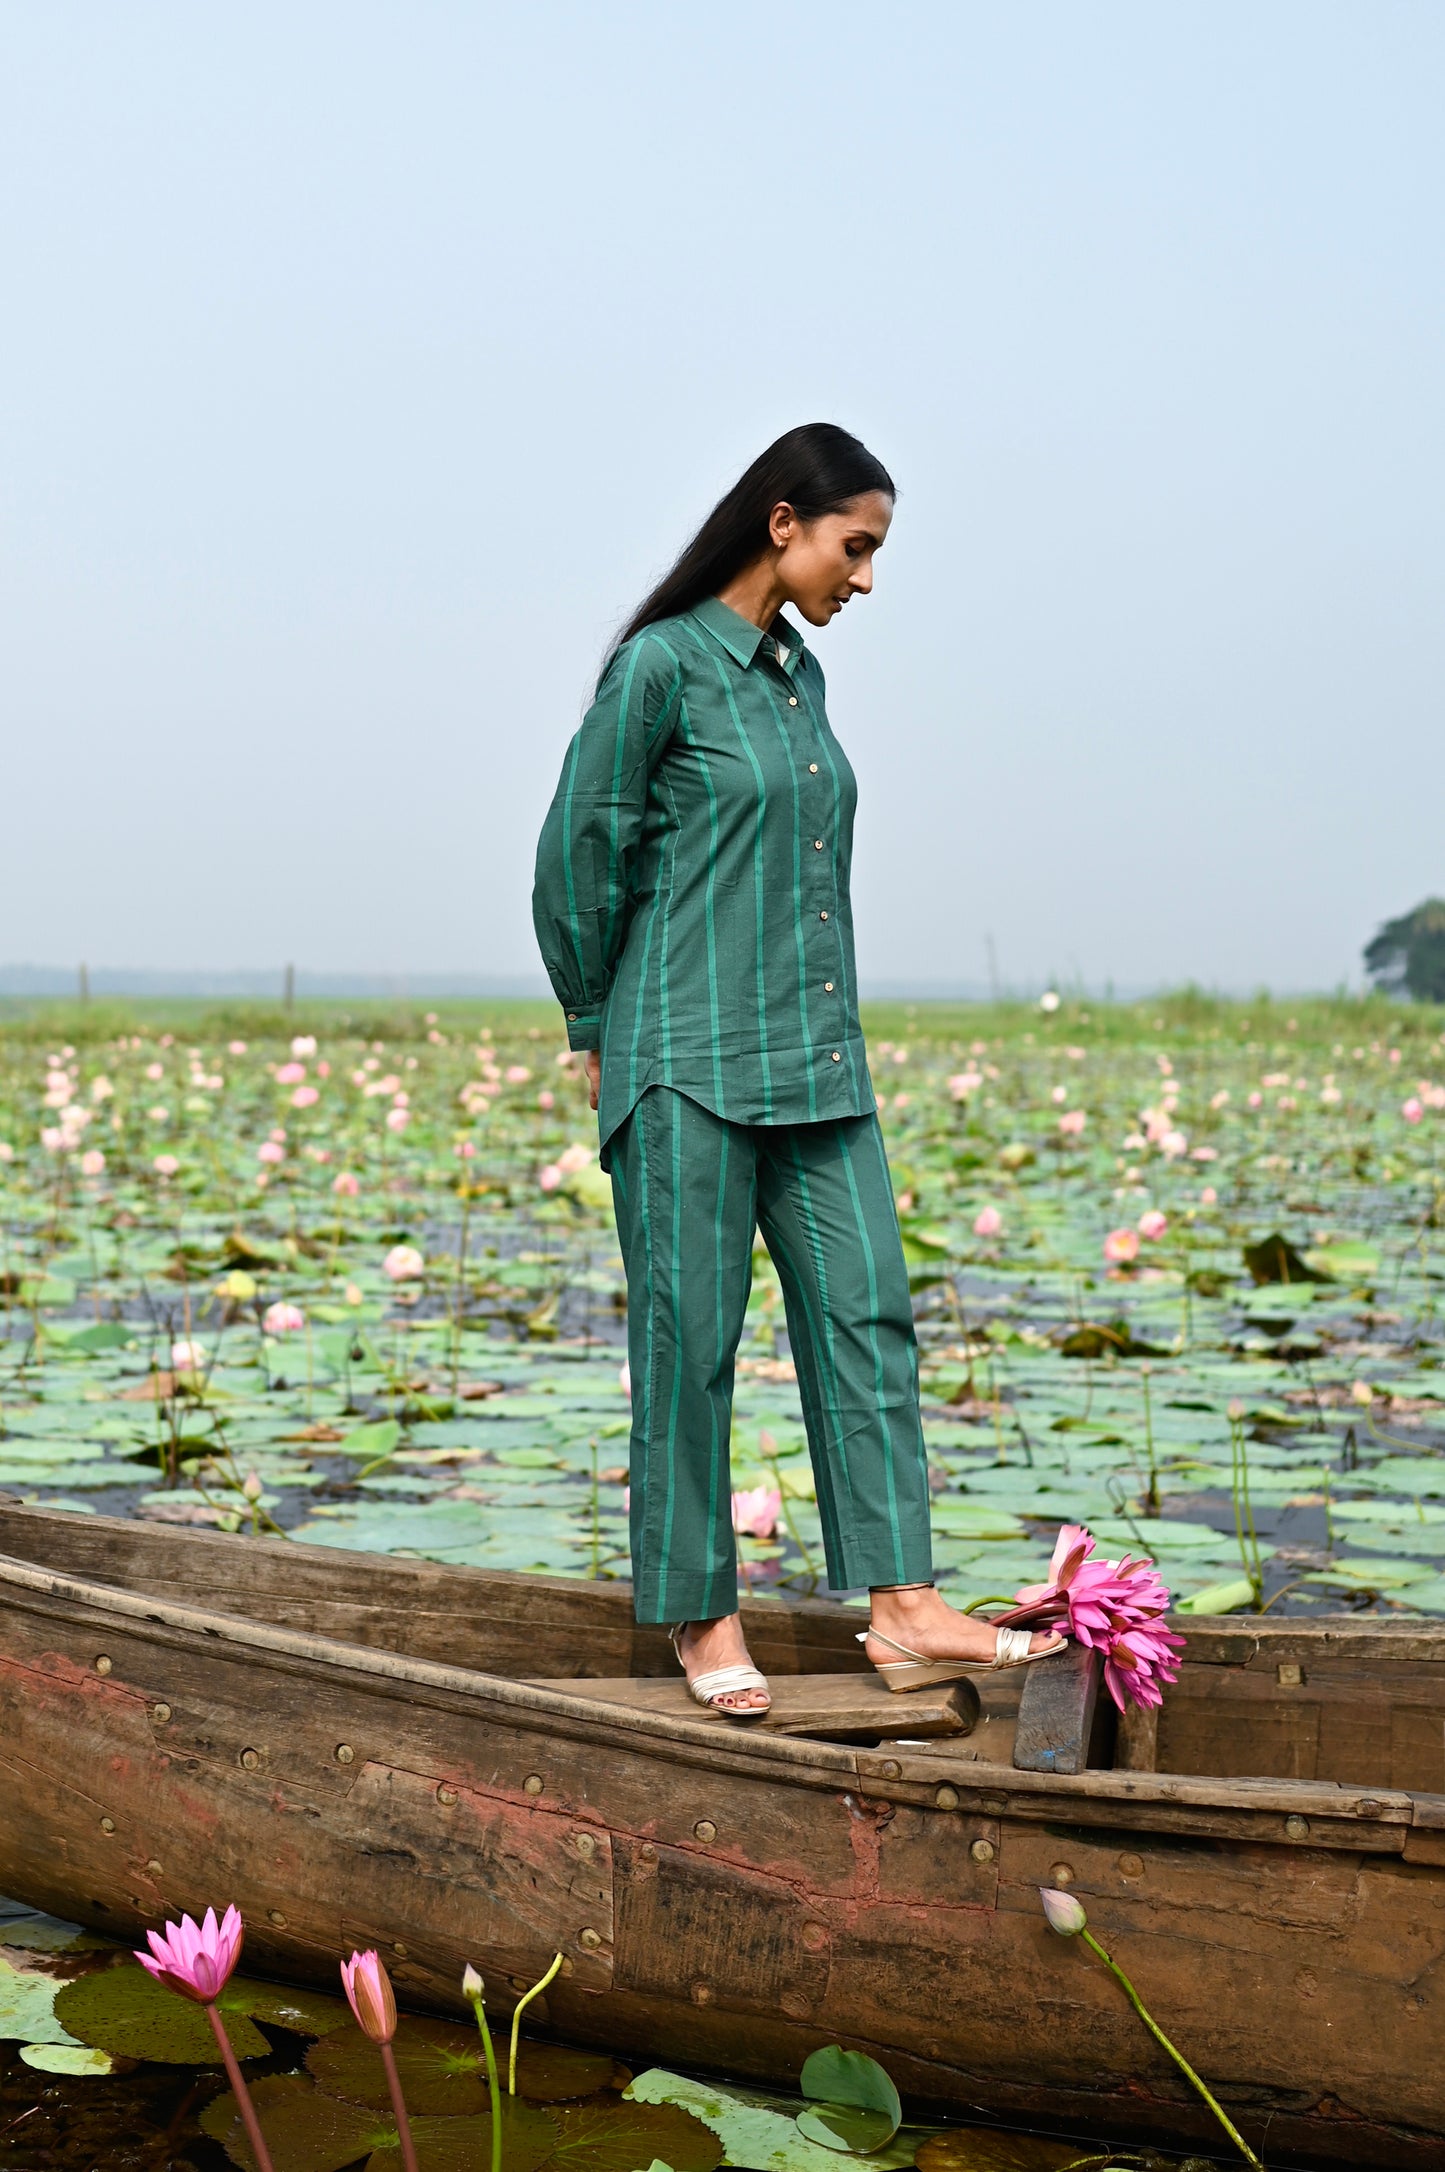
x=1289, y=1675
x=107, y=1825
x=447, y=1795
x=102, y=1665
x=277, y=1918
x=590, y=1939
x=1368, y=1808
x=1061, y=1873
x=992, y=1806
x=702, y=1994
x=251, y=1759
x=1131, y=1866
x=153, y=1868
x=794, y=2005
x=587, y=1845
x=400, y=1951
x=704, y=1830
x=1297, y=1828
x=161, y=1712
x=889, y=1769
x=947, y=1798
x=345, y=1754
x=532, y=1785
x=1306, y=1983
x=982, y=1851
x=647, y=1853
x=815, y=1936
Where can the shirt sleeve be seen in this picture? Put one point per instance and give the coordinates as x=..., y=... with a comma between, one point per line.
x=589, y=843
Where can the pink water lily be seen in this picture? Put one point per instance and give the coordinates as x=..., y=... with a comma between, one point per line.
x=756, y=1510
x=1121, y=1246
x=196, y=1959
x=1152, y=1224
x=987, y=1222
x=283, y=1319
x=368, y=1989
x=1114, y=1607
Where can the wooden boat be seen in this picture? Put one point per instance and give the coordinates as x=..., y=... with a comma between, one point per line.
x=463, y=1766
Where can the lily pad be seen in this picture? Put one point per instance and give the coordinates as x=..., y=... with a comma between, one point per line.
x=27, y=2007
x=848, y=2127
x=443, y=2071
x=124, y=2010
x=305, y=2131
x=618, y=2136
x=752, y=2136
x=67, y=2059
x=834, y=2077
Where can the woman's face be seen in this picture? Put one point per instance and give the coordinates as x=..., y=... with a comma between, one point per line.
x=824, y=562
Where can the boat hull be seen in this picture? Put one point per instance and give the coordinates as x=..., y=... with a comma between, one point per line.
x=728, y=1900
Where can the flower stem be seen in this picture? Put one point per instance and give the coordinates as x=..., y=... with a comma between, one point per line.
x=1177, y=2056
x=526, y=1999
x=237, y=2080
x=398, y=2105
x=493, y=2086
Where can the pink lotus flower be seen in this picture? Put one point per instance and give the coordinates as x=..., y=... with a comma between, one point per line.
x=574, y=1159
x=196, y=1959
x=92, y=1162
x=624, y=1379
x=188, y=1357
x=323, y=1070
x=1062, y=1912
x=290, y=1074
x=550, y=1177
x=756, y=1510
x=368, y=1990
x=964, y=1083
x=155, y=1070
x=1152, y=1224
x=236, y=1048
x=165, y=1165
x=270, y=1151
x=546, y=1099
x=1072, y=1122
x=465, y=1150
x=988, y=1222
x=303, y=1044
x=403, y=1263
x=517, y=1074
x=283, y=1319
x=1121, y=1246
x=1139, y=1662
x=1209, y=1197
x=397, y=1119
x=1103, y=1604
x=305, y=1097
x=1413, y=1109
x=345, y=1185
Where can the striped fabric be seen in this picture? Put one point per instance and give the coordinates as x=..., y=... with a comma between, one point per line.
x=689, y=1189
x=691, y=900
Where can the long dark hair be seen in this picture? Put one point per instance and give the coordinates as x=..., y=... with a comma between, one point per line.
x=816, y=469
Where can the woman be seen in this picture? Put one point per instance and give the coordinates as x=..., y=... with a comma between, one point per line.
x=692, y=908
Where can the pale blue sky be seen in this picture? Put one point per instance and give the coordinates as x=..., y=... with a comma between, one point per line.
x=361, y=365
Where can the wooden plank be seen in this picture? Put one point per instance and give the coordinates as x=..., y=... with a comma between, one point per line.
x=835, y=1708
x=1056, y=1711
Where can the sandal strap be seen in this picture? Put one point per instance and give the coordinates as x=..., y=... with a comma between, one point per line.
x=726, y=1681
x=917, y=1657
x=1012, y=1645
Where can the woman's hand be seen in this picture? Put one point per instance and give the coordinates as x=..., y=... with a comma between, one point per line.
x=594, y=1073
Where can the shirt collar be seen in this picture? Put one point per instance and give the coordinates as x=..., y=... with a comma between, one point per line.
x=741, y=638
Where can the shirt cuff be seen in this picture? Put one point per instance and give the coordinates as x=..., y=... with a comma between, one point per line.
x=584, y=1029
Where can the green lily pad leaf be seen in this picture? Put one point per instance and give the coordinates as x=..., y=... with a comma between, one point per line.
x=465, y=2145
x=752, y=2135
x=305, y=2131
x=835, y=2077
x=850, y=2127
x=47, y=1290
x=551, y=2073
x=1217, y=1598
x=99, y=1335
x=372, y=1441
x=1345, y=1262
x=67, y=2059
x=124, y=2010
x=618, y=2136
x=39, y=1933
x=27, y=2007
x=307, y=2013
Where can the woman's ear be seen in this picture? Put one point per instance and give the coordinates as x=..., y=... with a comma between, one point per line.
x=782, y=525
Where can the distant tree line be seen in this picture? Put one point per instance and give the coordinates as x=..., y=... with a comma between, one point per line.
x=1408, y=954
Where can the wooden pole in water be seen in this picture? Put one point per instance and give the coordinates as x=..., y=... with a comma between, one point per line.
x=84, y=984
x=290, y=995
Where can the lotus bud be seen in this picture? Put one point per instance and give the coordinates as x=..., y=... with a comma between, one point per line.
x=251, y=1486
x=471, y=1983
x=368, y=1988
x=1062, y=1911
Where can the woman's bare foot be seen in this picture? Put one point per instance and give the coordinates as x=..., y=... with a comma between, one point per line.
x=920, y=1617
x=705, y=1646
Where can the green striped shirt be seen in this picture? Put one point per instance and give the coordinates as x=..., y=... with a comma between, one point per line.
x=691, y=900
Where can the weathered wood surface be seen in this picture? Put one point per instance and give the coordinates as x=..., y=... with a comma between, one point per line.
x=725, y=1895
x=836, y=1708
x=1060, y=1726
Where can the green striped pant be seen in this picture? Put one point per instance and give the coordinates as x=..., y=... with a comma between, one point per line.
x=690, y=1189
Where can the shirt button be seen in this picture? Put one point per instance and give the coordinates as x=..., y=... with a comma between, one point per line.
x=827, y=987
x=792, y=701
x=817, y=844
x=837, y=1056
x=572, y=1018
x=822, y=916
x=812, y=769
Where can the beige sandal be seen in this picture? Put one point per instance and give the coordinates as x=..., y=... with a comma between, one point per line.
x=707, y=1688
x=913, y=1671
